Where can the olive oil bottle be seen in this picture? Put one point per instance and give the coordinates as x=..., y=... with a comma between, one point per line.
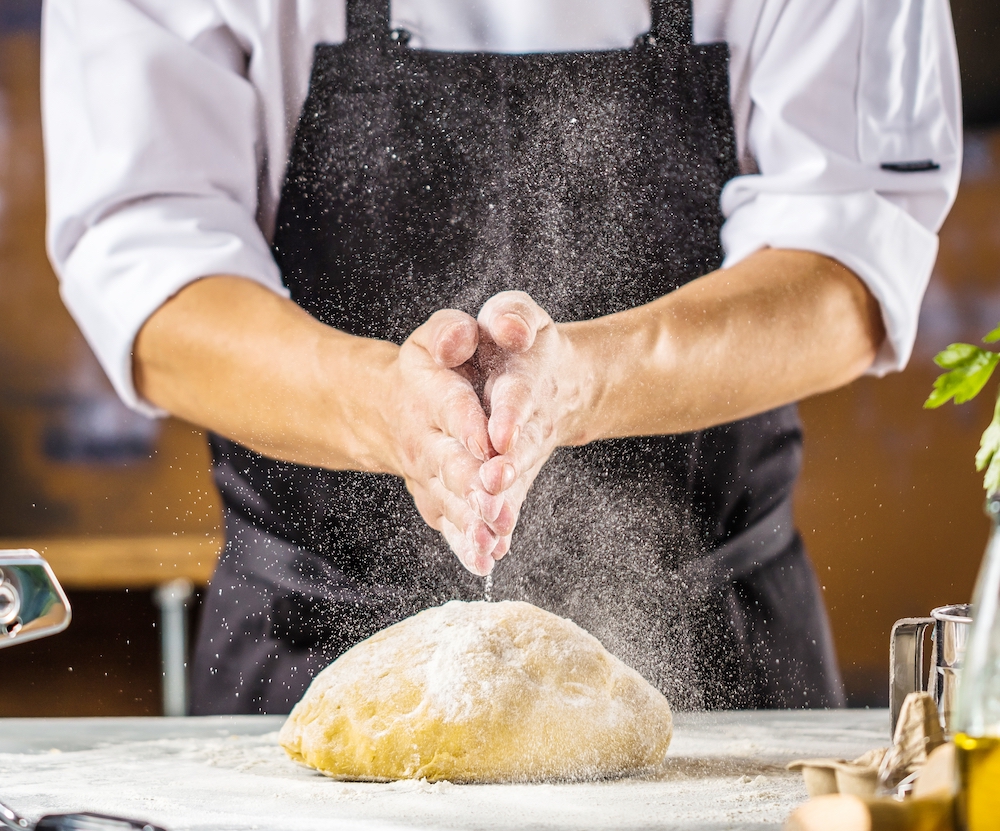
x=979, y=770
x=977, y=721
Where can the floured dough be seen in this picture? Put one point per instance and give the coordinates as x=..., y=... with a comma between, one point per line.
x=479, y=692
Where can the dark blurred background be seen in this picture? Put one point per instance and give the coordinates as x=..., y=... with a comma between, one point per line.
x=890, y=504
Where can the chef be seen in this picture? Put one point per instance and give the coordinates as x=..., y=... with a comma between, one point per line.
x=448, y=281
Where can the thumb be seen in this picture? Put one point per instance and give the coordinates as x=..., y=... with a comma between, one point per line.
x=512, y=320
x=450, y=336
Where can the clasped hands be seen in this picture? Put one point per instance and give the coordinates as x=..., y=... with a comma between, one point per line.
x=478, y=405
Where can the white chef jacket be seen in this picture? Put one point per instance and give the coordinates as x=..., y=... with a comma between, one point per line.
x=168, y=122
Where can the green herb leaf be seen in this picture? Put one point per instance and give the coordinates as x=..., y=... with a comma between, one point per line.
x=988, y=457
x=971, y=367
x=993, y=336
x=956, y=355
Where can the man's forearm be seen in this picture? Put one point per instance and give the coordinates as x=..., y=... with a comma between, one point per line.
x=775, y=328
x=228, y=354
x=232, y=356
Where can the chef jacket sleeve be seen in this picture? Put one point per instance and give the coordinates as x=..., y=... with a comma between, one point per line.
x=152, y=153
x=853, y=146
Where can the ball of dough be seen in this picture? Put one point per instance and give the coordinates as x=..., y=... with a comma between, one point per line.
x=479, y=692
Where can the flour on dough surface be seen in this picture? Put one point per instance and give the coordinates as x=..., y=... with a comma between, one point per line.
x=480, y=692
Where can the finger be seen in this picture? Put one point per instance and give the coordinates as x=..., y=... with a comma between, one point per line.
x=455, y=406
x=449, y=336
x=459, y=414
x=512, y=320
x=487, y=505
x=495, y=511
x=512, y=404
x=498, y=474
x=428, y=508
x=476, y=562
x=504, y=474
x=514, y=498
x=455, y=489
x=506, y=519
x=444, y=460
x=445, y=397
x=503, y=547
x=467, y=534
x=459, y=512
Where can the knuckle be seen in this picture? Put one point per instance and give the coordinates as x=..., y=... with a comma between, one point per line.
x=411, y=455
x=537, y=431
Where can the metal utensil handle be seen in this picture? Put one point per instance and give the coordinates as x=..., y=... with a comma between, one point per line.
x=73, y=822
x=92, y=822
x=906, y=661
x=8, y=819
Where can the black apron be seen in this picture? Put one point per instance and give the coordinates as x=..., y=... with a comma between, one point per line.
x=421, y=180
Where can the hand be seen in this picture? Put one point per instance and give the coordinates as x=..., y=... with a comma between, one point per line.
x=532, y=387
x=441, y=435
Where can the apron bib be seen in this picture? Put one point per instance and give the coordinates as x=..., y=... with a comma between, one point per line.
x=421, y=180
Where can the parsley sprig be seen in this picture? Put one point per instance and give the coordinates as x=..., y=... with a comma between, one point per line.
x=969, y=368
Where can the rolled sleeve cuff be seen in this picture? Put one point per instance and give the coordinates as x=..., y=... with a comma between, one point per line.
x=127, y=265
x=880, y=242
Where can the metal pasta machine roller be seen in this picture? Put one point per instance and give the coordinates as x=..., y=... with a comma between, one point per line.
x=32, y=603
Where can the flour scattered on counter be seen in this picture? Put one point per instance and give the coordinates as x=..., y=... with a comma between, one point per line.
x=759, y=787
x=231, y=783
x=420, y=786
x=748, y=780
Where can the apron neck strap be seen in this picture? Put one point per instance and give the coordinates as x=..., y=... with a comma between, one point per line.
x=367, y=19
x=672, y=22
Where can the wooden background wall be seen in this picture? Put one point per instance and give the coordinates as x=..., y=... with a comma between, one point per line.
x=890, y=504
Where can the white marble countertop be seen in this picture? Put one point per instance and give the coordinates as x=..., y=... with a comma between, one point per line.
x=726, y=771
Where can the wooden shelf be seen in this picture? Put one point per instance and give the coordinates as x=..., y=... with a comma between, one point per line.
x=125, y=562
